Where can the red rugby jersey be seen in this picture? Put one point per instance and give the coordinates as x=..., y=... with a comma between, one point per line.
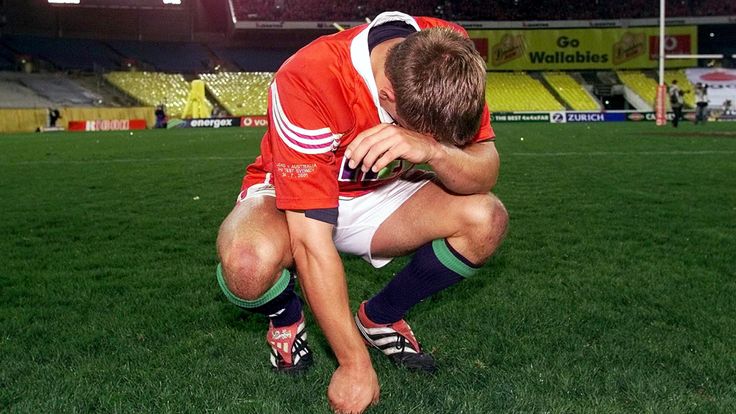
x=320, y=100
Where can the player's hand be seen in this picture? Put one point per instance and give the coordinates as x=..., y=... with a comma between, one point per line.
x=378, y=146
x=352, y=390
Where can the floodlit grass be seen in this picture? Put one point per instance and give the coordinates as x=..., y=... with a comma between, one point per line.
x=615, y=291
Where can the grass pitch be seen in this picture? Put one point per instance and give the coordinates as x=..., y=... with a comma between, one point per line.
x=615, y=291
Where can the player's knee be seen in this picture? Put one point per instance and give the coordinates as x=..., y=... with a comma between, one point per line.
x=248, y=269
x=486, y=218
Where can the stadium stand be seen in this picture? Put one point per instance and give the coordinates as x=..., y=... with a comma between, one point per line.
x=645, y=85
x=153, y=88
x=6, y=64
x=715, y=8
x=15, y=95
x=325, y=11
x=7, y=58
x=173, y=57
x=639, y=83
x=517, y=91
x=254, y=60
x=24, y=90
x=278, y=10
x=59, y=90
x=87, y=55
x=571, y=91
x=240, y=93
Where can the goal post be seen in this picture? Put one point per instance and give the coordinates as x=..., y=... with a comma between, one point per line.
x=661, y=104
x=662, y=96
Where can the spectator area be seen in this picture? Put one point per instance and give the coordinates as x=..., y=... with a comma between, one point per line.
x=240, y=93
x=517, y=91
x=254, y=60
x=97, y=55
x=153, y=88
x=246, y=93
x=473, y=10
x=645, y=85
x=572, y=92
x=23, y=90
x=60, y=90
x=165, y=56
x=7, y=58
x=15, y=95
x=87, y=55
x=641, y=84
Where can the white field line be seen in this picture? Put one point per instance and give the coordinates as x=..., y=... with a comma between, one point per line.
x=607, y=153
x=129, y=160
x=250, y=156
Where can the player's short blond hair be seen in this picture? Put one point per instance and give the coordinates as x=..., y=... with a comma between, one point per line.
x=439, y=80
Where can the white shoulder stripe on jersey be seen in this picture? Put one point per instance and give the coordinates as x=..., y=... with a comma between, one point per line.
x=275, y=92
x=299, y=147
x=294, y=136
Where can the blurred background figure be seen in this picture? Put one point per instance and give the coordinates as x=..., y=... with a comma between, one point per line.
x=676, y=101
x=160, y=113
x=54, y=116
x=701, y=103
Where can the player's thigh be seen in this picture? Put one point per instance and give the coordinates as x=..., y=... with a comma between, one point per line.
x=431, y=213
x=255, y=231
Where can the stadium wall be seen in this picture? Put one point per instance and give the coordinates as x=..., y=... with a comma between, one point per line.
x=29, y=120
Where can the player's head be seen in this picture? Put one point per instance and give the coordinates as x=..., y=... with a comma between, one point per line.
x=438, y=80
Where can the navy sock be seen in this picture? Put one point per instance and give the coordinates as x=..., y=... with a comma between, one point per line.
x=283, y=310
x=280, y=303
x=434, y=267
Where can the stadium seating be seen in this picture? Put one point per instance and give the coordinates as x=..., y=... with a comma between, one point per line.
x=153, y=88
x=646, y=86
x=571, y=92
x=59, y=89
x=240, y=93
x=15, y=95
x=7, y=58
x=640, y=83
x=165, y=56
x=88, y=54
x=254, y=60
x=24, y=90
x=517, y=91
x=320, y=10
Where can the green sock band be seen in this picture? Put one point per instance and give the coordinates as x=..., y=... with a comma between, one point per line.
x=274, y=291
x=452, y=262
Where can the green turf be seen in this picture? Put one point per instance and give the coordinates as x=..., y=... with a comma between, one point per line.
x=615, y=291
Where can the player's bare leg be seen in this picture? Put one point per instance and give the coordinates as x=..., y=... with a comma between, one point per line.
x=474, y=225
x=451, y=236
x=254, y=249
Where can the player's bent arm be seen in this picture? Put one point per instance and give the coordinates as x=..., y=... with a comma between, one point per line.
x=354, y=385
x=472, y=169
x=469, y=170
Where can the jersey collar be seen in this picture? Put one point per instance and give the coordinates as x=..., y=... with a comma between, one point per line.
x=361, y=57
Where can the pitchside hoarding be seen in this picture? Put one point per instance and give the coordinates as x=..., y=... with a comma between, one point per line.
x=107, y=125
x=519, y=116
x=249, y=121
x=577, y=49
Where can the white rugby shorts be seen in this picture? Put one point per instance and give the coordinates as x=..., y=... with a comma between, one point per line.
x=359, y=217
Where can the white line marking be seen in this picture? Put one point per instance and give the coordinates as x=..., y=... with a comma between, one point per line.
x=130, y=160
x=247, y=157
x=604, y=153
